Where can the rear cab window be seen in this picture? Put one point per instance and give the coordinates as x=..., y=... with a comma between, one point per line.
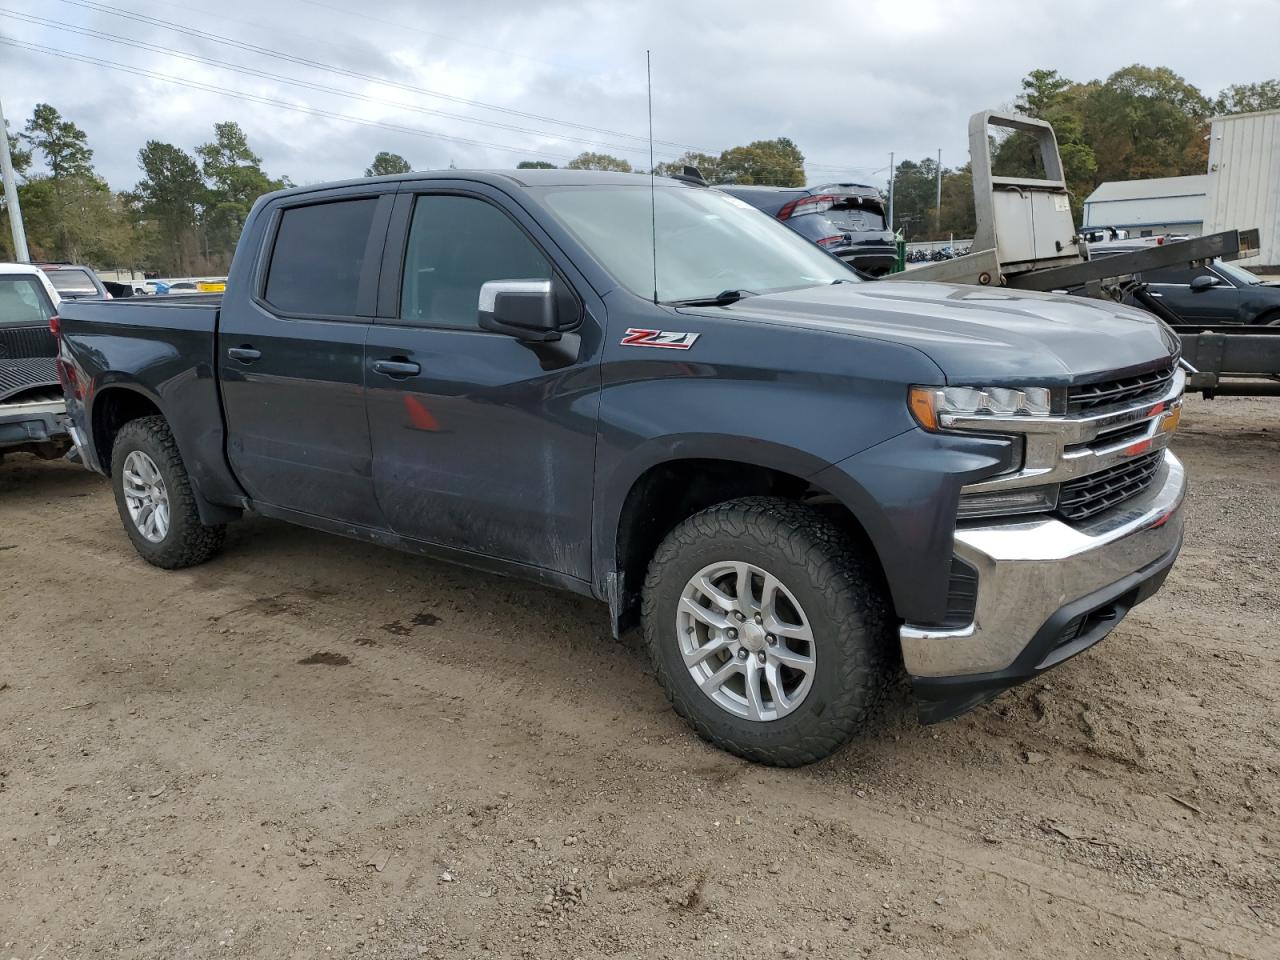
x=73, y=282
x=318, y=256
x=23, y=301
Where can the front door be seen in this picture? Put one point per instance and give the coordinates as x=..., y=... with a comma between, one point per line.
x=476, y=447
x=1217, y=304
x=291, y=361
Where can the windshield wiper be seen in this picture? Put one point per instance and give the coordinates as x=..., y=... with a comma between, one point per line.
x=721, y=299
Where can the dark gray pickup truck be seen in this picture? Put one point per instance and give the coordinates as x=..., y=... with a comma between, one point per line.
x=794, y=480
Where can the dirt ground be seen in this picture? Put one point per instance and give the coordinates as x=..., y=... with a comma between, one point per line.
x=311, y=746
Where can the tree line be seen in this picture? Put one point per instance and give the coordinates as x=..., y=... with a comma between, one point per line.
x=182, y=218
x=1141, y=122
x=184, y=215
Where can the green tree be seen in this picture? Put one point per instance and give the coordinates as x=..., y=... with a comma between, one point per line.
x=64, y=145
x=234, y=179
x=535, y=165
x=1248, y=97
x=1146, y=122
x=386, y=163
x=958, y=216
x=776, y=163
x=598, y=161
x=168, y=198
x=706, y=164
x=915, y=187
x=1046, y=95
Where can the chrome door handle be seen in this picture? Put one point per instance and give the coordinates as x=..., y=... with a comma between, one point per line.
x=244, y=354
x=396, y=368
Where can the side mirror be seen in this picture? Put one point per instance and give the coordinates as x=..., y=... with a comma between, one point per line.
x=1203, y=282
x=524, y=309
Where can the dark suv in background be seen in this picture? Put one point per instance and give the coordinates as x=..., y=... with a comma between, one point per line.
x=845, y=219
x=1210, y=294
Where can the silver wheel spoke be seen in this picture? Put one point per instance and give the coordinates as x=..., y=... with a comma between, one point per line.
x=711, y=647
x=755, y=702
x=788, y=657
x=710, y=617
x=717, y=679
x=777, y=694
x=716, y=595
x=746, y=602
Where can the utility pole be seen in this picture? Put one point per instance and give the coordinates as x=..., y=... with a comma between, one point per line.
x=938, y=209
x=891, y=179
x=11, y=196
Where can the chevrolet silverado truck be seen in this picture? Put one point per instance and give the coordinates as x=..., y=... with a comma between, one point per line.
x=650, y=393
x=32, y=411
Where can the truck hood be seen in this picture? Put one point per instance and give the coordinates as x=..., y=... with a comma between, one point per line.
x=979, y=334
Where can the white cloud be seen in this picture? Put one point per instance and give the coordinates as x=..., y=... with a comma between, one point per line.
x=847, y=82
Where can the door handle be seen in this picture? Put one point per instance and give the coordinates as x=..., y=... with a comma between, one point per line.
x=396, y=368
x=244, y=354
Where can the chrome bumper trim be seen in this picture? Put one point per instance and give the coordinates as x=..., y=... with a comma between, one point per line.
x=1030, y=569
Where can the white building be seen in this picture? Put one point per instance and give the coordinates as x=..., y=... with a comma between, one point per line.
x=1244, y=180
x=1149, y=208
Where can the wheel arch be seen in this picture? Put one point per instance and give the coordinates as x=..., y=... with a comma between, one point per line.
x=118, y=402
x=674, y=482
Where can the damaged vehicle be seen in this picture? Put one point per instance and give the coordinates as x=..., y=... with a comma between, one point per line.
x=797, y=482
x=32, y=410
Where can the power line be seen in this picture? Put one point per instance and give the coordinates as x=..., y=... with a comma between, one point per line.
x=307, y=84
x=104, y=8
x=271, y=101
x=353, y=74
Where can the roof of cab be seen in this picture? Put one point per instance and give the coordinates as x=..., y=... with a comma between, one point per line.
x=523, y=178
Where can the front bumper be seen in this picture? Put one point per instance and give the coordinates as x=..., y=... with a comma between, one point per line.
x=1046, y=591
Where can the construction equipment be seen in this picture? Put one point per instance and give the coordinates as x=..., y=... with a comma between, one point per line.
x=1026, y=238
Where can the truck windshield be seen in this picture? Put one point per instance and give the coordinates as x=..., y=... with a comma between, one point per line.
x=708, y=241
x=23, y=301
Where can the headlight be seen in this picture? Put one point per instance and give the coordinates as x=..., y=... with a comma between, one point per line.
x=936, y=407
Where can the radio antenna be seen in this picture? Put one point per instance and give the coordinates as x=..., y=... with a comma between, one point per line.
x=653, y=204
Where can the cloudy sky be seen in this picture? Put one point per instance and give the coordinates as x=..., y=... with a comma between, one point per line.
x=485, y=83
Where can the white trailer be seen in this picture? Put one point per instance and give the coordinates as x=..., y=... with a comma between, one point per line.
x=1244, y=180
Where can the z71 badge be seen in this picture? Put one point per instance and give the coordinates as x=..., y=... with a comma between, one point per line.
x=666, y=339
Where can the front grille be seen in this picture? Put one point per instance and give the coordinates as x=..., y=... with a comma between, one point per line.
x=18, y=342
x=1082, y=498
x=1092, y=396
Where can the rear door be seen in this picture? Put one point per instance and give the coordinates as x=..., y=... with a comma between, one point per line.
x=476, y=446
x=291, y=357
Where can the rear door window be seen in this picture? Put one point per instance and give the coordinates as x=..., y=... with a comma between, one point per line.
x=318, y=257
x=23, y=302
x=456, y=245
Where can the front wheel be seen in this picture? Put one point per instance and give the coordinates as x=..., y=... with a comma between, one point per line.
x=155, y=499
x=768, y=629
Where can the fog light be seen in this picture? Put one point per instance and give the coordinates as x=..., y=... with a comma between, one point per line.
x=1001, y=503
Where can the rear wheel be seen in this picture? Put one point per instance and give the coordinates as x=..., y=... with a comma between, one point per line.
x=768, y=629
x=155, y=499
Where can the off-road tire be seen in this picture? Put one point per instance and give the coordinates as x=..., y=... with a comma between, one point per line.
x=842, y=593
x=188, y=542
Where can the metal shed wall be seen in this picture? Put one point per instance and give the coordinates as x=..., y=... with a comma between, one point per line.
x=1244, y=180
